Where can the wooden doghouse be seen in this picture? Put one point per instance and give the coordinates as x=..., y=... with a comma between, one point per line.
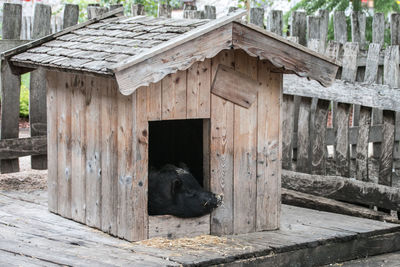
x=110, y=79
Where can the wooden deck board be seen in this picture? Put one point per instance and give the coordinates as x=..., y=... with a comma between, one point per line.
x=32, y=236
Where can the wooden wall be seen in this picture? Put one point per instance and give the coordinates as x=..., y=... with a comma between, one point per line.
x=98, y=147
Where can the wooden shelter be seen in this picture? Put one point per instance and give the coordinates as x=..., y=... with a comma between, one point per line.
x=113, y=79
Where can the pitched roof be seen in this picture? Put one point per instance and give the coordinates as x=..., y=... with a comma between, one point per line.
x=142, y=50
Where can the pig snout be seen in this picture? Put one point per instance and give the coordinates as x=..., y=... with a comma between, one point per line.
x=214, y=202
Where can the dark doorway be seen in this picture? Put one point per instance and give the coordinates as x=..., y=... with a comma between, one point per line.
x=175, y=141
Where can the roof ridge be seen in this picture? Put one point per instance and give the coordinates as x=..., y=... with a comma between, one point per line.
x=22, y=48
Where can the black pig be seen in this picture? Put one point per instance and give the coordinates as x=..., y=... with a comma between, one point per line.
x=175, y=191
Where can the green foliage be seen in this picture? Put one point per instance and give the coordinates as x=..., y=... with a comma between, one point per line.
x=24, y=96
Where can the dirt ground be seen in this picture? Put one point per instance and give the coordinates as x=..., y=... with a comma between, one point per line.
x=27, y=179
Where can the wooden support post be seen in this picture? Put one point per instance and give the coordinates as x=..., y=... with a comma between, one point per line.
x=362, y=144
x=340, y=27
x=10, y=85
x=386, y=159
x=137, y=10
x=71, y=15
x=395, y=28
x=210, y=12
x=299, y=26
x=164, y=10
x=341, y=129
x=378, y=29
x=257, y=16
x=95, y=11
x=37, y=92
x=275, y=22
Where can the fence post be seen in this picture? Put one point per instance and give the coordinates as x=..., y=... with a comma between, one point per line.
x=210, y=12
x=95, y=11
x=137, y=10
x=10, y=85
x=395, y=28
x=378, y=29
x=37, y=90
x=164, y=10
x=257, y=16
x=323, y=26
x=340, y=27
x=298, y=26
x=358, y=22
x=275, y=23
x=71, y=15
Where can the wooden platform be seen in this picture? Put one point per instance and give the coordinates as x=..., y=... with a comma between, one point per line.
x=30, y=235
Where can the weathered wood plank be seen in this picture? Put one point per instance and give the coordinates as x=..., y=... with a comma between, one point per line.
x=275, y=21
x=298, y=27
x=198, y=89
x=391, y=73
x=109, y=159
x=52, y=83
x=64, y=145
x=210, y=12
x=342, y=159
x=221, y=152
x=371, y=68
x=154, y=102
x=374, y=95
x=235, y=86
x=358, y=22
x=268, y=148
x=20, y=147
x=386, y=158
x=378, y=28
x=287, y=131
x=174, y=96
x=298, y=59
x=291, y=197
x=303, y=136
x=340, y=27
x=318, y=144
x=12, y=21
x=94, y=87
x=341, y=188
x=257, y=16
x=245, y=142
x=71, y=15
x=394, y=29
x=78, y=147
x=138, y=196
x=172, y=227
x=362, y=144
x=349, y=65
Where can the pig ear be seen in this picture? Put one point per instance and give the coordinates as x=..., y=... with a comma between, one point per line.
x=183, y=165
x=176, y=185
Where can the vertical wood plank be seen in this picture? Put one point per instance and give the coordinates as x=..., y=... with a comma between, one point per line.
x=198, y=90
x=221, y=152
x=52, y=144
x=391, y=66
x=324, y=25
x=109, y=160
x=37, y=89
x=358, y=22
x=303, y=136
x=71, y=15
x=378, y=29
x=268, y=148
x=386, y=159
x=395, y=29
x=245, y=142
x=340, y=27
x=154, y=102
x=126, y=108
x=78, y=148
x=94, y=85
x=138, y=197
x=287, y=131
x=275, y=22
x=257, y=16
x=349, y=71
x=362, y=144
x=174, y=96
x=64, y=145
x=12, y=21
x=342, y=139
x=298, y=27
x=318, y=144
x=206, y=154
x=371, y=68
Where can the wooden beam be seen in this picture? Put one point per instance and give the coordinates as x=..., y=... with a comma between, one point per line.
x=282, y=53
x=345, y=189
x=294, y=198
x=371, y=95
x=21, y=147
x=234, y=86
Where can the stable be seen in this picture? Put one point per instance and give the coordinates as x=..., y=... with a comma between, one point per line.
x=126, y=93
